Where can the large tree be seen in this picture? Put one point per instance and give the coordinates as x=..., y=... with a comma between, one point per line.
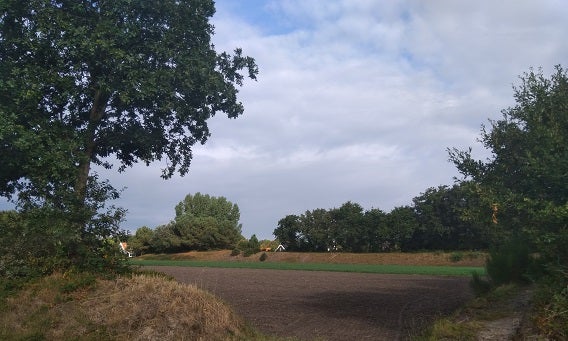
x=111, y=83
x=82, y=81
x=526, y=179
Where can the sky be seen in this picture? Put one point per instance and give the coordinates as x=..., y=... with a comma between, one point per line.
x=356, y=100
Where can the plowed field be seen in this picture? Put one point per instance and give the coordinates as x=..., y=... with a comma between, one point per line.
x=330, y=305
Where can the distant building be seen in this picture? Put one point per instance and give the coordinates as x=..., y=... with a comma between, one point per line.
x=124, y=248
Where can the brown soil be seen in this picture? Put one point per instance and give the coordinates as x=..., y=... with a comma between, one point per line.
x=328, y=305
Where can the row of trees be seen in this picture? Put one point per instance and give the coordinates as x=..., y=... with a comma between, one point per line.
x=437, y=220
x=202, y=222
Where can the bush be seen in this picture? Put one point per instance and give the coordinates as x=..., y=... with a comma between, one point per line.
x=551, y=307
x=456, y=256
x=263, y=257
x=509, y=263
x=235, y=252
x=249, y=252
x=249, y=247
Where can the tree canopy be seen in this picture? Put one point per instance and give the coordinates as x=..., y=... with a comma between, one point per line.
x=109, y=83
x=202, y=222
x=526, y=179
x=135, y=80
x=438, y=220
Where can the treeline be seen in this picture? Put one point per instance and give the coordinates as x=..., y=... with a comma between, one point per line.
x=441, y=218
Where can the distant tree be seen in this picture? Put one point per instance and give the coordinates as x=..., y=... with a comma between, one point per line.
x=140, y=242
x=205, y=222
x=443, y=223
x=350, y=230
x=248, y=247
x=253, y=244
x=432, y=209
x=288, y=232
x=379, y=233
x=269, y=244
x=317, y=230
x=165, y=240
x=402, y=224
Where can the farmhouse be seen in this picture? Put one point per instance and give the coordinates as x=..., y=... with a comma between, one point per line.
x=125, y=250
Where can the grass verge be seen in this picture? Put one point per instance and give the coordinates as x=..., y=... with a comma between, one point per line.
x=481, y=315
x=362, y=268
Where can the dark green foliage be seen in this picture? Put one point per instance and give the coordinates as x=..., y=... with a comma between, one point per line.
x=251, y=247
x=526, y=177
x=202, y=222
x=81, y=82
x=133, y=79
x=206, y=222
x=165, y=240
x=263, y=257
x=441, y=219
x=509, y=263
x=288, y=232
x=349, y=228
x=550, y=306
x=140, y=242
x=456, y=256
x=444, y=219
x=525, y=182
x=247, y=247
x=77, y=281
x=52, y=235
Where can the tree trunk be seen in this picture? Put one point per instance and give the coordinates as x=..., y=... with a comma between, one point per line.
x=95, y=115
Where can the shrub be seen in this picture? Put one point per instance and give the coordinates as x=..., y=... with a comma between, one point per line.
x=551, y=307
x=263, y=257
x=249, y=247
x=235, y=252
x=509, y=263
x=249, y=252
x=456, y=256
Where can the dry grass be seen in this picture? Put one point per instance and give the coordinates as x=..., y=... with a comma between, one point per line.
x=138, y=308
x=391, y=258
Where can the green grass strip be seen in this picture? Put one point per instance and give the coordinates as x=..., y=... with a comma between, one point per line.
x=362, y=268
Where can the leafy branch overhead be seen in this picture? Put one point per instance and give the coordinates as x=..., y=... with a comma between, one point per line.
x=136, y=80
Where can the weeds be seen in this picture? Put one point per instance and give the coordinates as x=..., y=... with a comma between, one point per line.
x=446, y=329
x=551, y=307
x=479, y=285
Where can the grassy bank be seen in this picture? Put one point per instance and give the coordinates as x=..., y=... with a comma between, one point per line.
x=137, y=307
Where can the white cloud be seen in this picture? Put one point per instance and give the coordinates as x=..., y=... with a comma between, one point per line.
x=356, y=100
